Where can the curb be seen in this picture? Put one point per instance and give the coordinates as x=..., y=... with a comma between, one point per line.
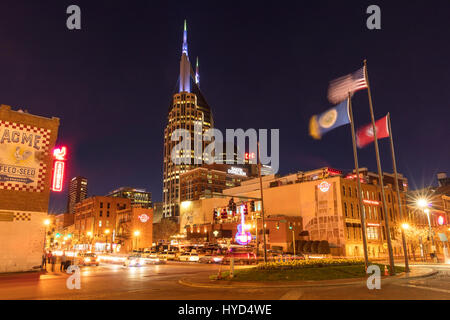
x=401, y=276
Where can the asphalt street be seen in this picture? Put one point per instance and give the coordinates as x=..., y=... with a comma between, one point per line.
x=161, y=282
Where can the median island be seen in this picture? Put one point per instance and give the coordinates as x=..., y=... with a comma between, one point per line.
x=302, y=270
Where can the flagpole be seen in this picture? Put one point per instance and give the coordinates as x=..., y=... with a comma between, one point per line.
x=361, y=211
x=380, y=175
x=394, y=164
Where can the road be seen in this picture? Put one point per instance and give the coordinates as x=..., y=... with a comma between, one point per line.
x=160, y=282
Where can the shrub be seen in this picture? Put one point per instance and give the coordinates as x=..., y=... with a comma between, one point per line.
x=324, y=247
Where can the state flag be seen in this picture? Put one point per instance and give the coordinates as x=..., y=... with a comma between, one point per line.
x=329, y=120
x=364, y=135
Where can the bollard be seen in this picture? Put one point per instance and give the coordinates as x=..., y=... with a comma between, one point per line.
x=386, y=272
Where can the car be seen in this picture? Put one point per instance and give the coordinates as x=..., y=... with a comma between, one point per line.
x=134, y=260
x=88, y=259
x=171, y=255
x=211, y=258
x=189, y=256
x=239, y=256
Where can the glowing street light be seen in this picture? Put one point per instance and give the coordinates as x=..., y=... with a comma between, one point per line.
x=47, y=222
x=405, y=226
x=422, y=203
x=136, y=234
x=89, y=234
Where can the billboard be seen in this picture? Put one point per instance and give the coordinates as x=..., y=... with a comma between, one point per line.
x=23, y=149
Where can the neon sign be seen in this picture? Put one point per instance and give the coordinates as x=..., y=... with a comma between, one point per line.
x=249, y=156
x=59, y=154
x=144, y=218
x=243, y=237
x=324, y=186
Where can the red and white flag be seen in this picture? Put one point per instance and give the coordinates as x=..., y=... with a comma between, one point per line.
x=340, y=87
x=364, y=135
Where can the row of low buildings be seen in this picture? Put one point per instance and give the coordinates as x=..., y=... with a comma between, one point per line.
x=320, y=204
x=118, y=222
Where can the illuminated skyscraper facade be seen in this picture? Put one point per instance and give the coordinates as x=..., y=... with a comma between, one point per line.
x=187, y=109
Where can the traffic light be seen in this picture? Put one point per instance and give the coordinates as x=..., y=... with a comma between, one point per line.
x=290, y=226
x=223, y=213
x=252, y=206
x=278, y=226
x=244, y=208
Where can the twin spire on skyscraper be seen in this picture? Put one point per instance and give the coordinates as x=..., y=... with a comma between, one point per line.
x=185, y=66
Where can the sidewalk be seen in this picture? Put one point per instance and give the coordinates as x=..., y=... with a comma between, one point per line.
x=204, y=282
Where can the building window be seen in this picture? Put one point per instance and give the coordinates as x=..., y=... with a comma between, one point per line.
x=107, y=213
x=101, y=204
x=345, y=209
x=100, y=223
x=372, y=233
x=343, y=190
x=101, y=213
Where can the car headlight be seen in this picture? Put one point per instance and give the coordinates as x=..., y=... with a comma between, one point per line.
x=141, y=261
x=132, y=262
x=87, y=259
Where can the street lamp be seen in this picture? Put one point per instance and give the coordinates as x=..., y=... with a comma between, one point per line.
x=137, y=233
x=106, y=235
x=405, y=226
x=423, y=204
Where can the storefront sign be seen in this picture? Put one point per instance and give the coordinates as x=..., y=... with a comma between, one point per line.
x=237, y=171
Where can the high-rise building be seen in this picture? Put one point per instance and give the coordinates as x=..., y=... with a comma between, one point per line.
x=77, y=192
x=187, y=110
x=140, y=198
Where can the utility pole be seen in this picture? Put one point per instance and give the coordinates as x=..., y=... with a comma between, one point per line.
x=262, y=204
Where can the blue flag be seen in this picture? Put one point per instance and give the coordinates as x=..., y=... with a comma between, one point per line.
x=329, y=120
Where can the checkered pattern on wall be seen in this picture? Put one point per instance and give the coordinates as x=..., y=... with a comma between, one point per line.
x=22, y=216
x=42, y=170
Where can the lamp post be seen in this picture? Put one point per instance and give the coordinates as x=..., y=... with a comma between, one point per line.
x=136, y=234
x=106, y=235
x=423, y=203
x=46, y=223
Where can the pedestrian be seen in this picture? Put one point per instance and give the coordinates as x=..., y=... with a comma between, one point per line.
x=49, y=257
x=53, y=262
x=44, y=260
x=62, y=266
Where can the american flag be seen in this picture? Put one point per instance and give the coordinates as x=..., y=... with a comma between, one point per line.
x=340, y=87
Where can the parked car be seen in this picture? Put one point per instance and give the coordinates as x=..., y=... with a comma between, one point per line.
x=189, y=256
x=88, y=259
x=171, y=255
x=134, y=260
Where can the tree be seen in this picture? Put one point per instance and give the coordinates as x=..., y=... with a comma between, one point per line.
x=307, y=247
x=324, y=247
x=300, y=245
x=315, y=246
x=164, y=229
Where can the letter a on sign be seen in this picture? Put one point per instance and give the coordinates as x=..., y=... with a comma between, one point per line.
x=374, y=21
x=74, y=20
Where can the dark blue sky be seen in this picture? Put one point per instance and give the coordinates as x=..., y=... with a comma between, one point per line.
x=263, y=65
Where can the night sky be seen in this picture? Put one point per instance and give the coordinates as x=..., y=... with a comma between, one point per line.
x=262, y=65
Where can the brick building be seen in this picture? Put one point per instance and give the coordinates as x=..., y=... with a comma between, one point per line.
x=206, y=180
x=26, y=144
x=108, y=224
